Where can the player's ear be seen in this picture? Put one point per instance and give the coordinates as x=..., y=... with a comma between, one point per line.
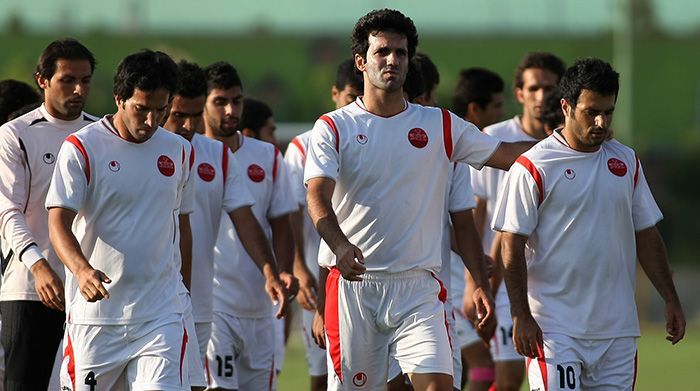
x=518, y=92
x=360, y=63
x=41, y=81
x=566, y=107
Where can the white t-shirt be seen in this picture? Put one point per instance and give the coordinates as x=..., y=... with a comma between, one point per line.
x=127, y=197
x=391, y=179
x=580, y=211
x=28, y=149
x=220, y=187
x=239, y=286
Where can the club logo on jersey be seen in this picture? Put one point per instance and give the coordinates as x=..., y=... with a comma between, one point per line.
x=569, y=174
x=418, y=138
x=256, y=173
x=166, y=165
x=206, y=172
x=49, y=158
x=114, y=166
x=617, y=167
x=362, y=139
x=359, y=379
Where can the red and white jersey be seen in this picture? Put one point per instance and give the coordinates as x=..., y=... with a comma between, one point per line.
x=220, y=187
x=580, y=211
x=239, y=286
x=391, y=179
x=295, y=157
x=28, y=149
x=127, y=197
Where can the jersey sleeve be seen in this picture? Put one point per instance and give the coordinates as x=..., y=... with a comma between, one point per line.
x=188, y=187
x=645, y=211
x=469, y=144
x=282, y=203
x=236, y=193
x=69, y=185
x=516, y=210
x=294, y=158
x=323, y=158
x=461, y=196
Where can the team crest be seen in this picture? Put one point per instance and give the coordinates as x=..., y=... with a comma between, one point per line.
x=362, y=139
x=206, y=172
x=569, y=174
x=418, y=138
x=114, y=166
x=360, y=379
x=166, y=165
x=49, y=158
x=256, y=173
x=617, y=167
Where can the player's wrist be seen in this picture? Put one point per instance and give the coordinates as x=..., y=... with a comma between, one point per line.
x=39, y=266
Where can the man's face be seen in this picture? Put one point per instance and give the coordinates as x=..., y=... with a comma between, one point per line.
x=538, y=84
x=428, y=98
x=66, y=91
x=267, y=131
x=492, y=113
x=588, y=124
x=142, y=113
x=344, y=97
x=222, y=111
x=386, y=64
x=186, y=116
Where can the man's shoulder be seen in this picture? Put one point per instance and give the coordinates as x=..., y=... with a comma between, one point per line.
x=505, y=128
x=23, y=122
x=256, y=146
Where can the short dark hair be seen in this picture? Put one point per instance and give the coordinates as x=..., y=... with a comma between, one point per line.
x=552, y=116
x=591, y=74
x=348, y=75
x=146, y=70
x=222, y=75
x=476, y=85
x=539, y=60
x=383, y=20
x=254, y=115
x=193, y=81
x=67, y=49
x=422, y=76
x=15, y=94
x=23, y=110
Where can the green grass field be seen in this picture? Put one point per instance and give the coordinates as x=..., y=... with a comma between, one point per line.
x=661, y=366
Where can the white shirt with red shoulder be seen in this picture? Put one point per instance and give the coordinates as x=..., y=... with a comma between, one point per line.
x=28, y=148
x=127, y=197
x=239, y=286
x=391, y=179
x=580, y=211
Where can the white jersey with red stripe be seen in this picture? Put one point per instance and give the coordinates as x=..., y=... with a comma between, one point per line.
x=28, y=148
x=391, y=179
x=220, y=187
x=580, y=211
x=238, y=283
x=127, y=197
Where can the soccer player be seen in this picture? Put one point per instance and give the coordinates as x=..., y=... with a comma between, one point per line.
x=240, y=353
x=552, y=115
x=536, y=77
x=576, y=213
x=377, y=173
x=32, y=297
x=478, y=97
x=14, y=95
x=347, y=87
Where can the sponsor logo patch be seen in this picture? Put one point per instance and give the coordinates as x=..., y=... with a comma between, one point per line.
x=617, y=167
x=256, y=173
x=166, y=165
x=206, y=172
x=418, y=138
x=114, y=166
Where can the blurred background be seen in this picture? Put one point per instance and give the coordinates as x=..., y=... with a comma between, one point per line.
x=287, y=53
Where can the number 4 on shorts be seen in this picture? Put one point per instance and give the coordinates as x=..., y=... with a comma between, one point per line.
x=91, y=381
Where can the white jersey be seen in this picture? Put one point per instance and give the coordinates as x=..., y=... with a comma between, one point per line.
x=220, y=187
x=127, y=197
x=391, y=179
x=238, y=282
x=580, y=211
x=28, y=149
x=295, y=158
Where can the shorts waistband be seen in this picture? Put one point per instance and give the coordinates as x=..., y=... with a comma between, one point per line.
x=384, y=275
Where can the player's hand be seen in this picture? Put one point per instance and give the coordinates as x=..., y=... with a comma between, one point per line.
x=291, y=284
x=318, y=330
x=675, y=322
x=350, y=262
x=485, y=314
x=527, y=336
x=278, y=294
x=48, y=285
x=468, y=306
x=307, y=290
x=90, y=283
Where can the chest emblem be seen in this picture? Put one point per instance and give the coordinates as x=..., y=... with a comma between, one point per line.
x=114, y=166
x=418, y=138
x=362, y=139
x=617, y=167
x=569, y=174
x=166, y=165
x=256, y=173
x=49, y=158
x=206, y=172
x=360, y=379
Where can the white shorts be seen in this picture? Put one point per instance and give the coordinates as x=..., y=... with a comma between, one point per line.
x=583, y=364
x=466, y=333
x=195, y=365
x=279, y=338
x=240, y=353
x=384, y=316
x=203, y=330
x=501, y=345
x=315, y=356
x=143, y=356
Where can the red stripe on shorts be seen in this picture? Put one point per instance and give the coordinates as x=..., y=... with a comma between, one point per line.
x=543, y=365
x=333, y=320
x=183, y=350
x=71, y=360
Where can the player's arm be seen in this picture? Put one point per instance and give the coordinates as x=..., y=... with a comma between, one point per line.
x=497, y=271
x=283, y=245
x=506, y=153
x=318, y=328
x=307, y=283
x=185, y=249
x=68, y=250
x=653, y=258
x=349, y=258
x=256, y=245
x=480, y=216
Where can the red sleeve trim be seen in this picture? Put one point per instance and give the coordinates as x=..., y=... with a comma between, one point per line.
x=525, y=162
x=75, y=141
x=300, y=147
x=328, y=120
x=191, y=156
x=636, y=172
x=274, y=165
x=447, y=132
x=224, y=162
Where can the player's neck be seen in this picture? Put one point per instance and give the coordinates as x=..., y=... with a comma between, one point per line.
x=533, y=127
x=383, y=103
x=233, y=141
x=58, y=115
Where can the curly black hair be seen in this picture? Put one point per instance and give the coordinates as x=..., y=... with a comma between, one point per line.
x=146, y=70
x=383, y=20
x=591, y=74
